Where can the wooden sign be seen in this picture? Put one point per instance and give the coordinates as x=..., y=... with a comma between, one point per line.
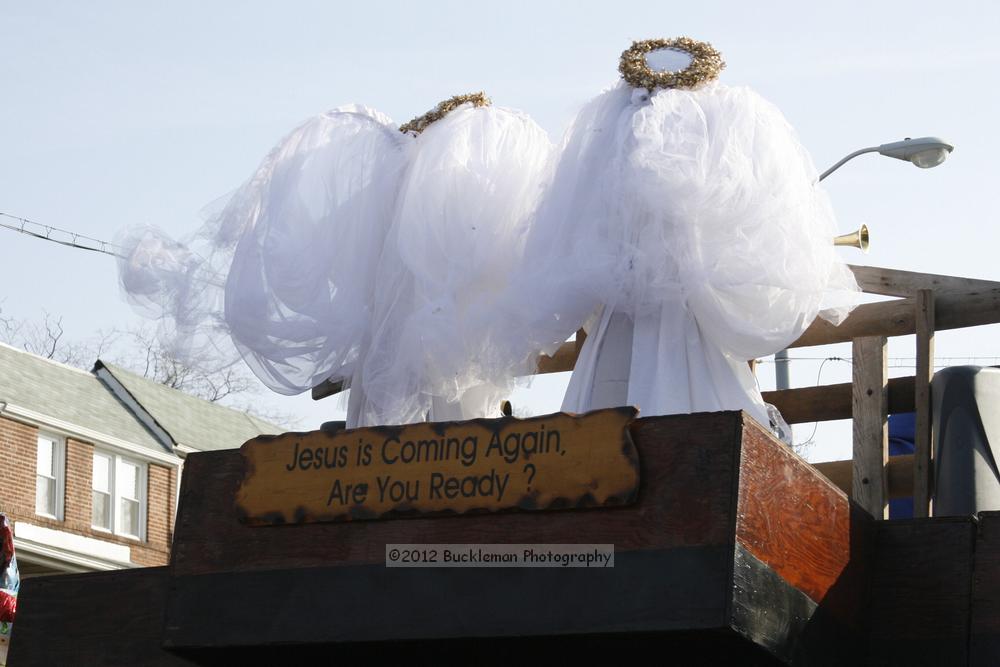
x=557, y=461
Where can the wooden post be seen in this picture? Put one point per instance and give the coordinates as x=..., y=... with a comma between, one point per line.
x=922, y=460
x=870, y=404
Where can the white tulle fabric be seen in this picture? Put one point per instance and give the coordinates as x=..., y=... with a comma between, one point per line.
x=457, y=239
x=688, y=229
x=284, y=275
x=356, y=252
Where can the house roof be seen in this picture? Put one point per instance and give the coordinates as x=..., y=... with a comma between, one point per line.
x=68, y=394
x=189, y=421
x=116, y=403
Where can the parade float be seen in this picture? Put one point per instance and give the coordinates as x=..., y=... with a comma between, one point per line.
x=680, y=231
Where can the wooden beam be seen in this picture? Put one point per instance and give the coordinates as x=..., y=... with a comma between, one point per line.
x=870, y=405
x=954, y=310
x=833, y=401
x=327, y=388
x=962, y=302
x=893, y=282
x=564, y=359
x=899, y=473
x=922, y=403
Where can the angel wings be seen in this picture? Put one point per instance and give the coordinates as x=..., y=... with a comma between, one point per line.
x=429, y=269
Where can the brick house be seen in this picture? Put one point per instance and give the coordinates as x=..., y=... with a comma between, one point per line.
x=90, y=462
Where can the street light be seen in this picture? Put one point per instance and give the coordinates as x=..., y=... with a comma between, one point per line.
x=924, y=152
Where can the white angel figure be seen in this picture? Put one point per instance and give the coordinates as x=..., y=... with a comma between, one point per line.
x=458, y=234
x=284, y=275
x=354, y=253
x=685, y=228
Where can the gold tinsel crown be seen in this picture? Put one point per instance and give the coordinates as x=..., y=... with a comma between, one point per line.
x=706, y=63
x=420, y=123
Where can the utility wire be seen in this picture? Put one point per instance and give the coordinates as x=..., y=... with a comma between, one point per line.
x=968, y=358
x=63, y=237
x=808, y=441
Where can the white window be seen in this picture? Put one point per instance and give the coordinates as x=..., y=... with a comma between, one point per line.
x=50, y=471
x=119, y=495
x=102, y=496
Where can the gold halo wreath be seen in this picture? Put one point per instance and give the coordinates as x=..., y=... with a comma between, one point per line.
x=706, y=63
x=420, y=123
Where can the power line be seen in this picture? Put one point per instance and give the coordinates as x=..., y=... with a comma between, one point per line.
x=812, y=437
x=63, y=237
x=37, y=230
x=968, y=358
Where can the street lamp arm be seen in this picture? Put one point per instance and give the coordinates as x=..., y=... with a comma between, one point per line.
x=873, y=149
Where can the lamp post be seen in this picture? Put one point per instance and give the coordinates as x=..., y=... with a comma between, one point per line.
x=924, y=152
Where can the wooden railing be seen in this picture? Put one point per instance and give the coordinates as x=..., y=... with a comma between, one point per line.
x=924, y=303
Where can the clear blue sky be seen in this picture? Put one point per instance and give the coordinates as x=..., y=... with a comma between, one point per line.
x=116, y=113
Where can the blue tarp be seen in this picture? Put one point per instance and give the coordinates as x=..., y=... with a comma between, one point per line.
x=902, y=428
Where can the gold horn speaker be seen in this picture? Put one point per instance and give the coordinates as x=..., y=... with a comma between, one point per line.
x=858, y=239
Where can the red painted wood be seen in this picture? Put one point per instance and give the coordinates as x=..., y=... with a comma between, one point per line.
x=791, y=517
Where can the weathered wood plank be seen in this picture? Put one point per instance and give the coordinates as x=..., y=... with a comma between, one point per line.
x=954, y=310
x=870, y=425
x=563, y=359
x=833, y=401
x=894, y=282
x=899, y=474
x=962, y=302
x=327, y=388
x=922, y=401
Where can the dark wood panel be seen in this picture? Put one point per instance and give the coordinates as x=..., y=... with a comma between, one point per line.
x=685, y=499
x=985, y=622
x=765, y=608
x=101, y=619
x=712, y=647
x=837, y=633
x=921, y=592
x=791, y=517
x=678, y=589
